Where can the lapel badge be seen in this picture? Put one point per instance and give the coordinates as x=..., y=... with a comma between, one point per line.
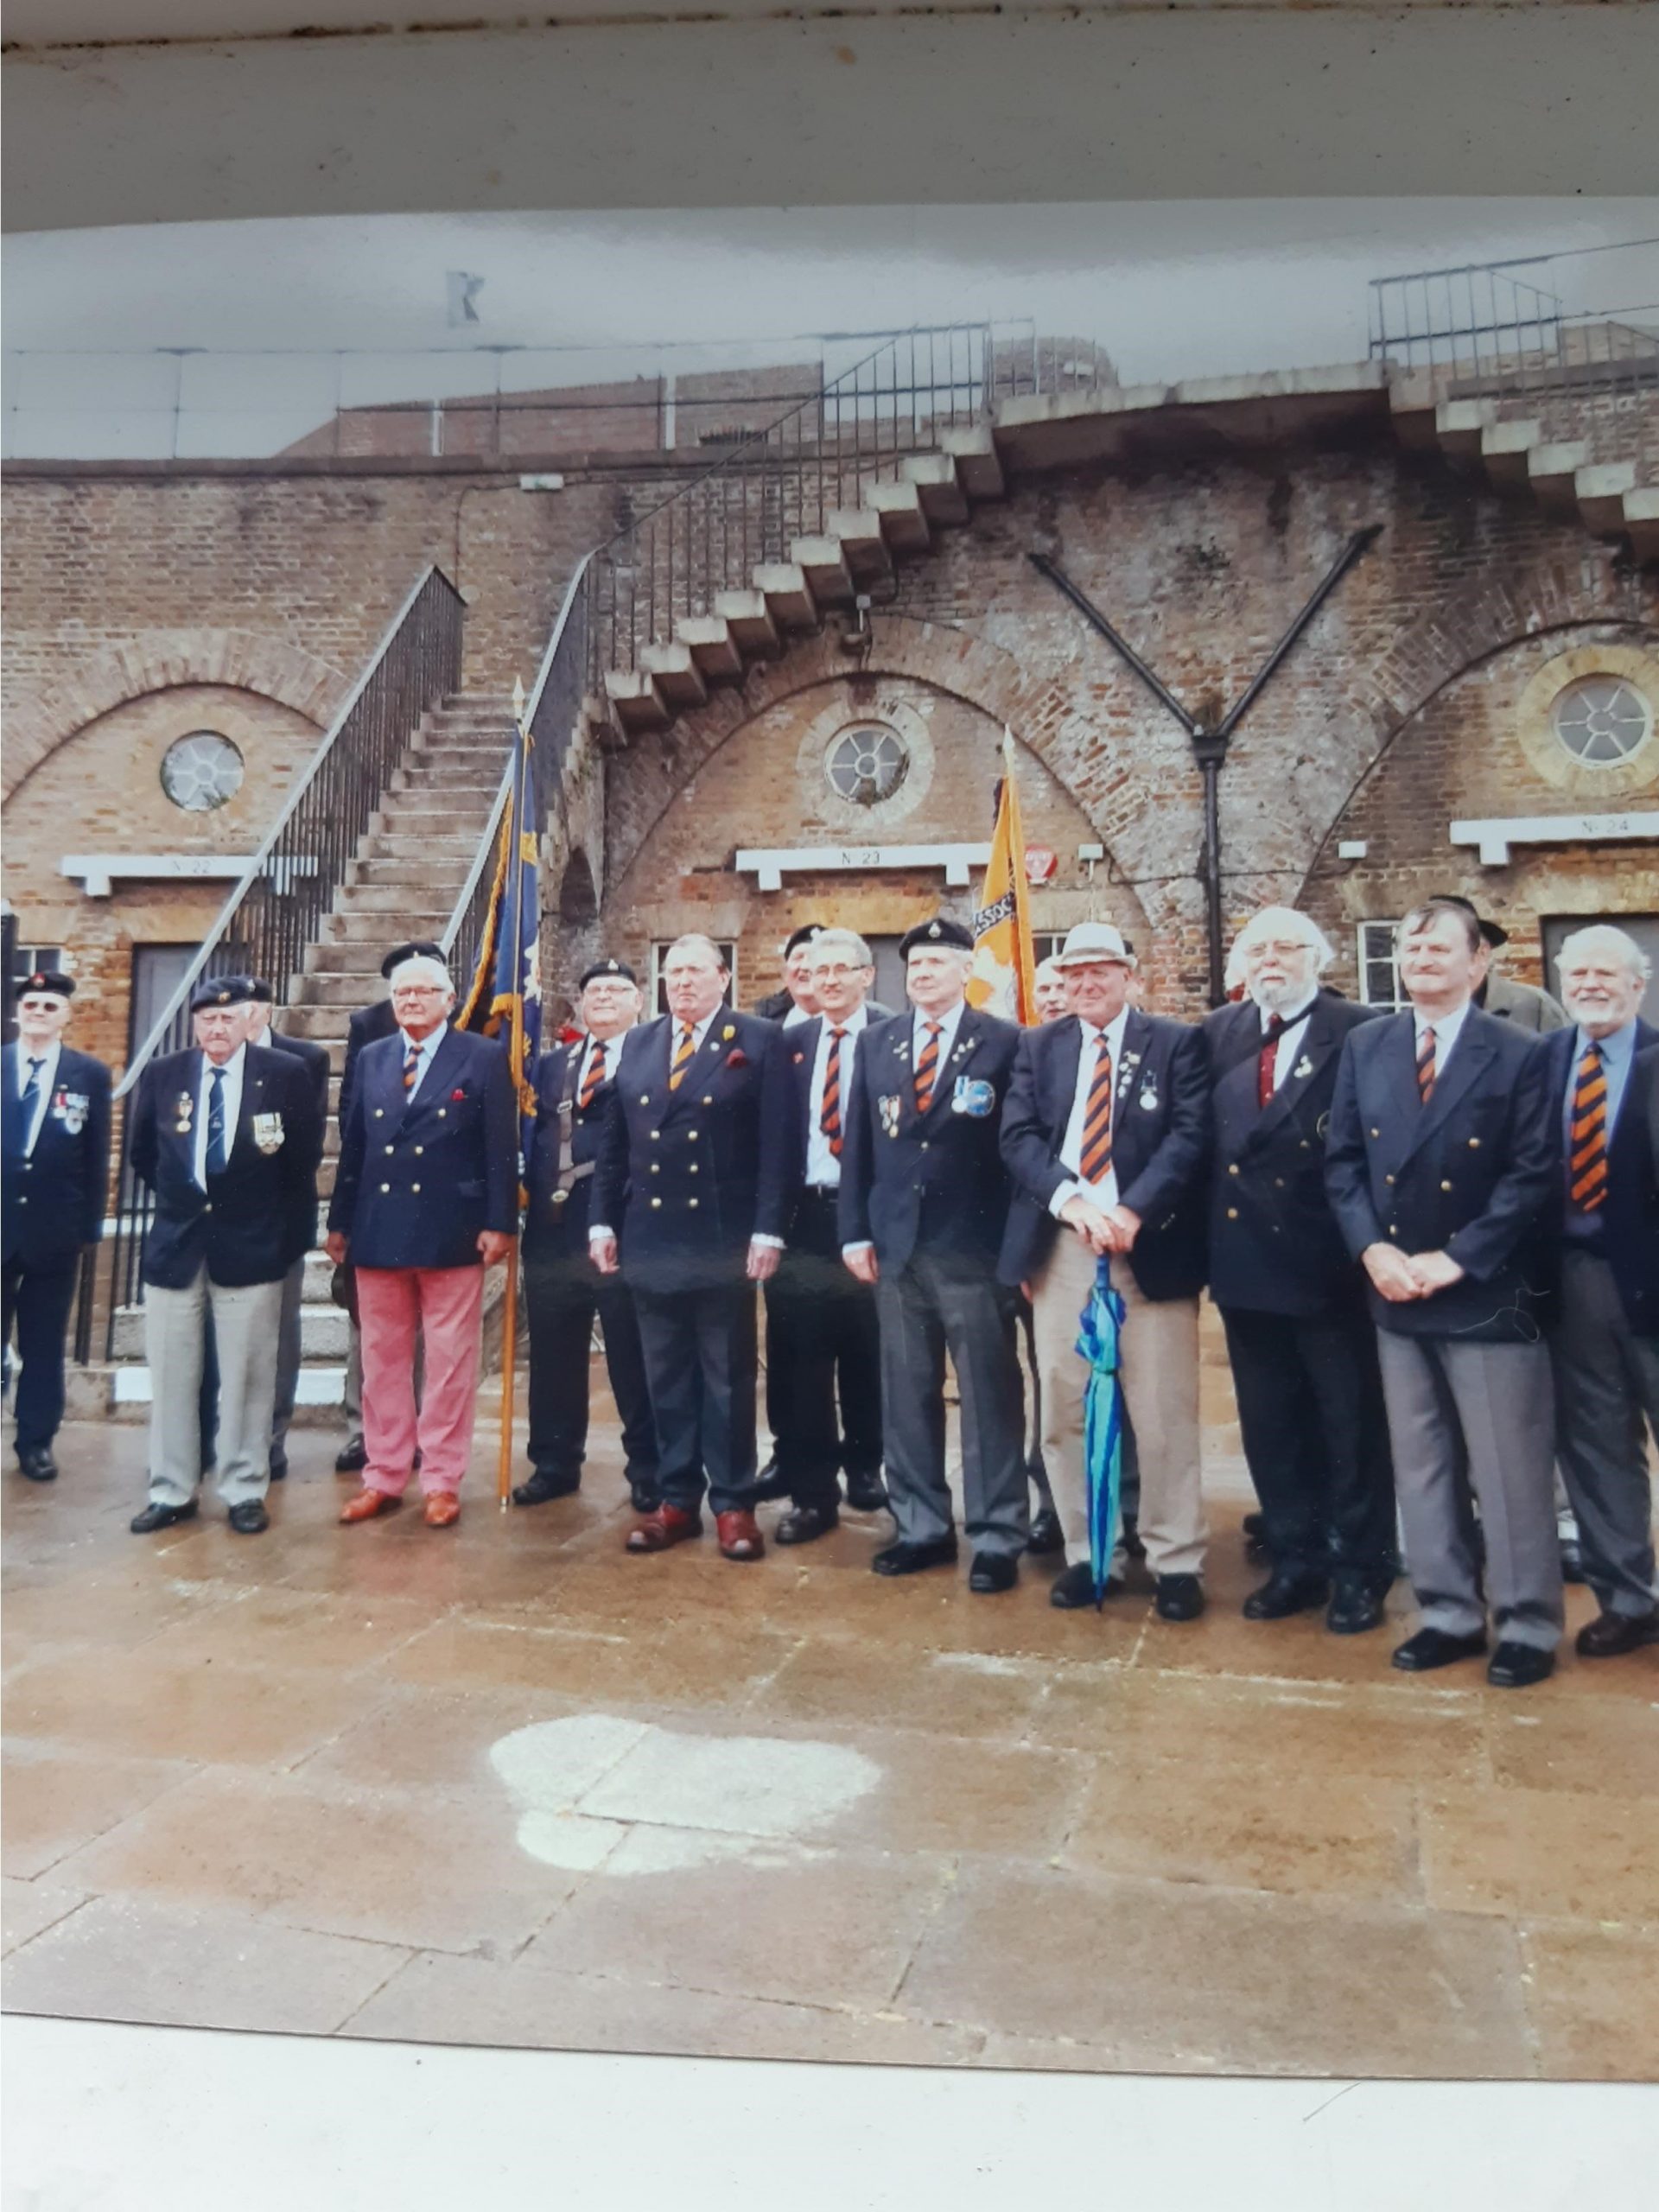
x=890, y=1110
x=1303, y=1067
x=728, y=1033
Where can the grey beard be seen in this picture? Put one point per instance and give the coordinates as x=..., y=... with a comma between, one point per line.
x=1274, y=998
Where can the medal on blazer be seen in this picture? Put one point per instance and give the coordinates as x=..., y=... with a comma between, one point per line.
x=1303, y=1067
x=889, y=1109
x=267, y=1132
x=1149, y=1096
x=186, y=1108
x=70, y=1107
x=972, y=1096
x=1125, y=1075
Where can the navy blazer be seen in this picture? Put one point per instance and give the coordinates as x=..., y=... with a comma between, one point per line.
x=931, y=1182
x=366, y=1026
x=313, y=1059
x=54, y=1203
x=1274, y=1246
x=420, y=1177
x=1473, y=1173
x=552, y=1219
x=1161, y=1140
x=686, y=1178
x=254, y=1220
x=1629, y=1219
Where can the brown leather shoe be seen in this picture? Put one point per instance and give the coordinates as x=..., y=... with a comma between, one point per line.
x=669, y=1524
x=367, y=1503
x=739, y=1536
x=442, y=1510
x=1610, y=1635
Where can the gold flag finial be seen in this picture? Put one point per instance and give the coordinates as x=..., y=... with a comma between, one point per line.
x=519, y=699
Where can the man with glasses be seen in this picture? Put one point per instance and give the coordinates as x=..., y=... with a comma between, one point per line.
x=426, y=1198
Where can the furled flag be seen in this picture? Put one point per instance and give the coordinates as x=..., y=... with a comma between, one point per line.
x=1100, y=1326
x=1000, y=980
x=504, y=999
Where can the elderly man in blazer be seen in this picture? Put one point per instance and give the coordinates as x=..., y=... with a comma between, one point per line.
x=1442, y=1166
x=1292, y=1300
x=1106, y=1133
x=228, y=1135
x=564, y=1290
x=924, y=1202
x=54, y=1131
x=426, y=1198
x=691, y=1191
x=1605, y=1339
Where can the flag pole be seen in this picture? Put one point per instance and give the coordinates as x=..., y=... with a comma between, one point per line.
x=515, y=1061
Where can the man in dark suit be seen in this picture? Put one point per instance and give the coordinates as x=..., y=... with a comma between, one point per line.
x=426, y=1198
x=690, y=1192
x=1604, y=1341
x=367, y=1026
x=1292, y=1300
x=313, y=1059
x=924, y=1203
x=1441, y=1166
x=227, y=1135
x=822, y=1336
x=564, y=1290
x=1105, y=1134
x=54, y=1132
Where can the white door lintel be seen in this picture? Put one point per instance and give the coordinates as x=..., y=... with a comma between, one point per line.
x=769, y=868
x=1494, y=838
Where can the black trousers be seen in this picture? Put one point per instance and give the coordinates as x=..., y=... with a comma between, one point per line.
x=1316, y=1439
x=822, y=1336
x=700, y=1348
x=563, y=1291
x=39, y=1299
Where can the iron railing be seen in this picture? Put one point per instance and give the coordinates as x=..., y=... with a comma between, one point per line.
x=277, y=906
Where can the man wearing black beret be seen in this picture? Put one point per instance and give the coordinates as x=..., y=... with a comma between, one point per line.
x=798, y=1001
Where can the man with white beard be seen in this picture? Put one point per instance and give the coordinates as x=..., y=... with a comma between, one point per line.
x=1301, y=1343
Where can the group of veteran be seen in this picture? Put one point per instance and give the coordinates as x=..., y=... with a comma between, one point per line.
x=1432, y=1237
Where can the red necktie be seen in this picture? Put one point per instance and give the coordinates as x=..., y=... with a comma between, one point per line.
x=1587, y=1176
x=1426, y=1067
x=1267, y=1060
x=829, y=1112
x=1096, y=1154
x=927, y=1067
x=592, y=1080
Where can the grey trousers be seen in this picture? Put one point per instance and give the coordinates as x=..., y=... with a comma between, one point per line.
x=288, y=1356
x=1606, y=1381
x=931, y=1304
x=1483, y=1413
x=245, y=1324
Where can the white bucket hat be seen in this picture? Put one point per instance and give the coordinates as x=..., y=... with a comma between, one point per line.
x=1093, y=940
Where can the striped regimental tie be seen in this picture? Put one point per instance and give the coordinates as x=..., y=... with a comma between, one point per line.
x=1426, y=1067
x=592, y=1080
x=1095, y=1156
x=411, y=1067
x=682, y=1052
x=829, y=1112
x=927, y=1067
x=1587, y=1175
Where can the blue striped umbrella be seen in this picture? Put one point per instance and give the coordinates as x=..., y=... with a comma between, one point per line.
x=1100, y=1326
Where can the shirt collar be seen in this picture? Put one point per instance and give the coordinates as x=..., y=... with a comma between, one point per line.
x=233, y=1067
x=1290, y=1015
x=427, y=1045
x=1113, y=1033
x=48, y=1057
x=857, y=1019
x=1619, y=1045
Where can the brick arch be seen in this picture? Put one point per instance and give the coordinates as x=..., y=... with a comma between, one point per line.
x=161, y=660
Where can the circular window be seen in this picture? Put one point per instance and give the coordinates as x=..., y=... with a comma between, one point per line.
x=1601, y=720
x=201, y=772
x=868, y=764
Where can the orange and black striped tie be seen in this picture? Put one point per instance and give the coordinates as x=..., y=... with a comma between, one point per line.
x=592, y=1080
x=1587, y=1177
x=1096, y=1153
x=411, y=1067
x=1426, y=1067
x=927, y=1067
x=829, y=1112
x=682, y=1052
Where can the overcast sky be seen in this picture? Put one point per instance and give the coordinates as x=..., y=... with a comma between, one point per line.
x=1171, y=289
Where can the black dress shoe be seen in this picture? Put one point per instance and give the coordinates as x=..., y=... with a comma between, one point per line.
x=1356, y=1605
x=250, y=1519
x=1433, y=1647
x=1572, y=1560
x=910, y=1559
x=767, y=1484
x=1179, y=1598
x=866, y=1493
x=38, y=1465
x=353, y=1458
x=993, y=1570
x=1046, y=1534
x=162, y=1516
x=806, y=1523
x=1285, y=1592
x=279, y=1466
x=1610, y=1635
x=644, y=1497
x=1132, y=1543
x=1073, y=1589
x=1255, y=1538
x=543, y=1486
x=1518, y=1666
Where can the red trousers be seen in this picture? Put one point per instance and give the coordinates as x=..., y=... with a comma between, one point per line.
x=442, y=1304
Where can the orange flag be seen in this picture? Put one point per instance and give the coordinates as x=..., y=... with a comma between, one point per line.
x=1000, y=979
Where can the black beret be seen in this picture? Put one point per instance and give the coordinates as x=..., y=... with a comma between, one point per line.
x=805, y=935
x=46, y=978
x=939, y=931
x=421, y=948
x=260, y=991
x=611, y=969
x=214, y=991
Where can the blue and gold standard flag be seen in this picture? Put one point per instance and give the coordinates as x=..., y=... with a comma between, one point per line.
x=504, y=999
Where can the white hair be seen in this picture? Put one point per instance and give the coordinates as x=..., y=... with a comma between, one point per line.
x=848, y=943
x=695, y=938
x=422, y=963
x=1602, y=937
x=1049, y=967
x=1285, y=921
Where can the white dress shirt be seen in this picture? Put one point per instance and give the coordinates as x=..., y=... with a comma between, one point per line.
x=1447, y=1029
x=48, y=1057
x=233, y=1070
x=796, y=1015
x=611, y=1046
x=426, y=1047
x=1104, y=1193
x=1290, y=1037
x=822, y=1168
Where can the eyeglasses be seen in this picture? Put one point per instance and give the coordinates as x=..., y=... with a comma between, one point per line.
x=420, y=991
x=837, y=971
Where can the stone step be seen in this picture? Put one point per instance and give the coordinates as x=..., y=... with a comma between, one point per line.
x=478, y=774
x=413, y=844
x=441, y=875
x=320, y=989
x=711, y=644
x=788, y=595
x=325, y=1333
x=1505, y=448
x=863, y=544
x=750, y=620
x=978, y=464
x=420, y=917
x=822, y=562
x=938, y=481
x=904, y=522
x=1552, y=471
x=1641, y=521
x=1600, y=491
x=635, y=702
x=1459, y=425
x=673, y=669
